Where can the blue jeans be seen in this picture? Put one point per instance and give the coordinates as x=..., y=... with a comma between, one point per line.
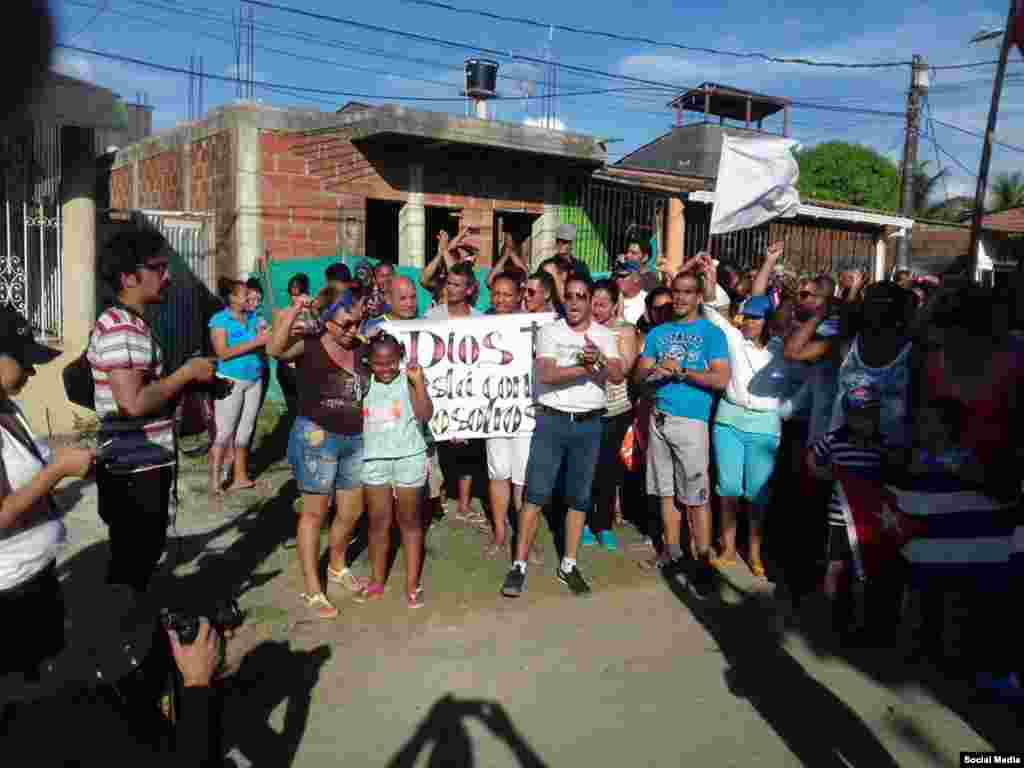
x=324, y=462
x=746, y=463
x=558, y=439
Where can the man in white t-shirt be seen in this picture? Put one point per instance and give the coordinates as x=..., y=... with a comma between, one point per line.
x=627, y=276
x=575, y=359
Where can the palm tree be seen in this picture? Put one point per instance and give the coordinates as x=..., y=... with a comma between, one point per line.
x=1007, y=191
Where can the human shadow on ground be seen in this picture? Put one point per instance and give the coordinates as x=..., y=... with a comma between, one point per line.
x=819, y=728
x=269, y=674
x=273, y=446
x=443, y=727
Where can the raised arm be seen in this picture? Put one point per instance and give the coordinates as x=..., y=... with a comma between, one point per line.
x=764, y=274
x=283, y=345
x=801, y=345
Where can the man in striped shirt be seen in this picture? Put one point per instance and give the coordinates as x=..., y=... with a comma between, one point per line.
x=135, y=405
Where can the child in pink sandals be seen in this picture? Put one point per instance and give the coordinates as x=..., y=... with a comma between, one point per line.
x=395, y=410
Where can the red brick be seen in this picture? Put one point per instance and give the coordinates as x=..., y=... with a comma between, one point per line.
x=275, y=142
x=288, y=163
x=323, y=233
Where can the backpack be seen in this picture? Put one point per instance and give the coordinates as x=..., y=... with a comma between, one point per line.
x=79, y=385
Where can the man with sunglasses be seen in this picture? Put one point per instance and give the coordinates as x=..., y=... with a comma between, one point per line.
x=135, y=405
x=575, y=359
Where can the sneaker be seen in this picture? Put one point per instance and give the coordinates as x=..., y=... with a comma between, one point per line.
x=609, y=541
x=702, y=584
x=515, y=583
x=574, y=581
x=588, y=539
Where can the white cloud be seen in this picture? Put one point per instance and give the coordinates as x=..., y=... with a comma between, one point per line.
x=555, y=124
x=74, y=66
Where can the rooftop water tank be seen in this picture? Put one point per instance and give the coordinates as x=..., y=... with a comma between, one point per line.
x=481, y=78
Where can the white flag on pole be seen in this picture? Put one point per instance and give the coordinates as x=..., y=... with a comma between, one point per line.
x=756, y=182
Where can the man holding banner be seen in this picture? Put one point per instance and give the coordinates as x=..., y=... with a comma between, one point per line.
x=575, y=359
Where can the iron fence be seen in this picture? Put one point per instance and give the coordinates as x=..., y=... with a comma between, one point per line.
x=811, y=247
x=31, y=232
x=606, y=216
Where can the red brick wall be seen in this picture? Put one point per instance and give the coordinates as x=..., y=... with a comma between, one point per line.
x=160, y=182
x=212, y=188
x=121, y=188
x=304, y=208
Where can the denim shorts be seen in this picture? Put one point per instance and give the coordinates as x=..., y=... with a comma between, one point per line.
x=557, y=439
x=406, y=472
x=746, y=463
x=324, y=462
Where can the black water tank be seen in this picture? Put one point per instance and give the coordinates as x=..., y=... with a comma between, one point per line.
x=481, y=77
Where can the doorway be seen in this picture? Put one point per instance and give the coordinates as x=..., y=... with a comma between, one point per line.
x=437, y=219
x=519, y=225
x=382, y=230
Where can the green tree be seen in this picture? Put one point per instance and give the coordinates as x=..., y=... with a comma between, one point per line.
x=848, y=173
x=1007, y=191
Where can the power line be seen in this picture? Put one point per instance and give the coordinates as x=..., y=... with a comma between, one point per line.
x=100, y=10
x=278, y=51
x=212, y=15
x=674, y=87
x=980, y=136
x=303, y=88
x=650, y=41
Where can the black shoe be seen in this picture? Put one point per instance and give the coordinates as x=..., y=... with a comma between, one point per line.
x=702, y=583
x=514, y=584
x=574, y=581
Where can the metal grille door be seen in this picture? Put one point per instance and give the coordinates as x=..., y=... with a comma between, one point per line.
x=181, y=321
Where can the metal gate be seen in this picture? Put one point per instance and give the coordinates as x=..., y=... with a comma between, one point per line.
x=182, y=318
x=811, y=247
x=31, y=242
x=606, y=216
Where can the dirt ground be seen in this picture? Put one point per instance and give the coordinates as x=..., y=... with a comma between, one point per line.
x=637, y=674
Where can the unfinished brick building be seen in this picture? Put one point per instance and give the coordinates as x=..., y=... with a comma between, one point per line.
x=380, y=182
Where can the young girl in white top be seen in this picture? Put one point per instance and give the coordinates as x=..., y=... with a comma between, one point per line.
x=395, y=410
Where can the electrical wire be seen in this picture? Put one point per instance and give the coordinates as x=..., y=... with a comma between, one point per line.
x=100, y=10
x=660, y=43
x=302, y=88
x=979, y=136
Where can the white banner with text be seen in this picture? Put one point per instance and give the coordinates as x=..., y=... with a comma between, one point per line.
x=479, y=371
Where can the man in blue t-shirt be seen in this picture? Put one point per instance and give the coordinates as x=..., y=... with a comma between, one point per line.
x=686, y=360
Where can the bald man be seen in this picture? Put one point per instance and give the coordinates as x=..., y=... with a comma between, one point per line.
x=404, y=305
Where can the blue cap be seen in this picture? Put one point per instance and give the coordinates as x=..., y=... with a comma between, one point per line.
x=346, y=302
x=758, y=307
x=625, y=268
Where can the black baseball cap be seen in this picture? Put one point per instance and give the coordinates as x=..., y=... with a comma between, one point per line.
x=17, y=339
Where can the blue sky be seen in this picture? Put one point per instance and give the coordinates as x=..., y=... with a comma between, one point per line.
x=345, y=58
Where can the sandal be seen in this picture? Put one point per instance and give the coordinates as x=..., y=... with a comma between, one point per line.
x=319, y=603
x=721, y=562
x=347, y=579
x=492, y=550
x=415, y=599
x=370, y=592
x=757, y=568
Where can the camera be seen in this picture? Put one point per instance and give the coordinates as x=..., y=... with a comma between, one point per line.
x=226, y=615
x=218, y=388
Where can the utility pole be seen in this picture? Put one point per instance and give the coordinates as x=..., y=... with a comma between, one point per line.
x=986, y=152
x=918, y=87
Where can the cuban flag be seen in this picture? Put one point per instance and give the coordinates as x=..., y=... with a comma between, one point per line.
x=878, y=529
x=962, y=538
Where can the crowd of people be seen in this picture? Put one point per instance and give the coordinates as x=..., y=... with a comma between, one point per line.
x=701, y=394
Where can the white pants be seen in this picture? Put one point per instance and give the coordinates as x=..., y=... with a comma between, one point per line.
x=507, y=457
x=236, y=414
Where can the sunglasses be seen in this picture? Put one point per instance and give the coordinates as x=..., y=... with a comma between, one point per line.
x=161, y=268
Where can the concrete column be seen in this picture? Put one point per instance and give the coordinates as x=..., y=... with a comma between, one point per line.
x=675, y=234
x=249, y=199
x=543, y=233
x=47, y=405
x=412, y=222
x=880, y=257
